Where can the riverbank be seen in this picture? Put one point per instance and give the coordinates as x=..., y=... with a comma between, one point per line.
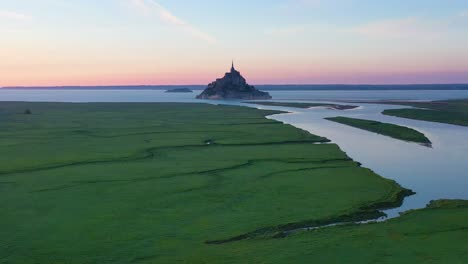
x=450, y=112
x=454, y=112
x=436, y=234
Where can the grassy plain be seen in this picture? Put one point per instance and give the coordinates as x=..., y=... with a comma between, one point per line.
x=386, y=129
x=437, y=234
x=451, y=111
x=305, y=105
x=152, y=183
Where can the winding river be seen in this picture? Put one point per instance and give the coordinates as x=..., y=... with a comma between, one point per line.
x=440, y=172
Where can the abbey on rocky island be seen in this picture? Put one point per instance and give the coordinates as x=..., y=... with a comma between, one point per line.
x=232, y=86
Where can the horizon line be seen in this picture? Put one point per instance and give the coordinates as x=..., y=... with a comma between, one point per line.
x=265, y=84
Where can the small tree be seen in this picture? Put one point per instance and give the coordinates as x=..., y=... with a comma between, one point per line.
x=27, y=112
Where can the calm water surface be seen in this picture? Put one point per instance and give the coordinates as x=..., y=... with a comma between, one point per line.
x=434, y=173
x=42, y=95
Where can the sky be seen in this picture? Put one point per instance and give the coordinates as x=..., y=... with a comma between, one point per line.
x=158, y=42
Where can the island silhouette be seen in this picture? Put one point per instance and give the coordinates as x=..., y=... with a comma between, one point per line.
x=232, y=86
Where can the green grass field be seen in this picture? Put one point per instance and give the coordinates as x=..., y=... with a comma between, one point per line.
x=152, y=183
x=438, y=234
x=304, y=105
x=386, y=129
x=450, y=112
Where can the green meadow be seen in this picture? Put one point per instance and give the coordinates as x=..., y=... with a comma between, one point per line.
x=453, y=112
x=197, y=183
x=437, y=234
x=386, y=129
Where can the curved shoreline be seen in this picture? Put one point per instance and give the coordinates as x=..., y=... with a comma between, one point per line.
x=364, y=214
x=377, y=219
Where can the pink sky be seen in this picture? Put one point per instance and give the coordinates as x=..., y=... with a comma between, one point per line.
x=203, y=77
x=142, y=42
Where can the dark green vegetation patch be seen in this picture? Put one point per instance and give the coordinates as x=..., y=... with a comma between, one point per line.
x=391, y=130
x=305, y=105
x=451, y=111
x=438, y=234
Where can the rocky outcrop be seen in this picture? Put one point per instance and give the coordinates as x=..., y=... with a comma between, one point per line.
x=232, y=86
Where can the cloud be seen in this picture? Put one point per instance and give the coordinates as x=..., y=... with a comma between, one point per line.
x=398, y=28
x=463, y=13
x=149, y=6
x=5, y=14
